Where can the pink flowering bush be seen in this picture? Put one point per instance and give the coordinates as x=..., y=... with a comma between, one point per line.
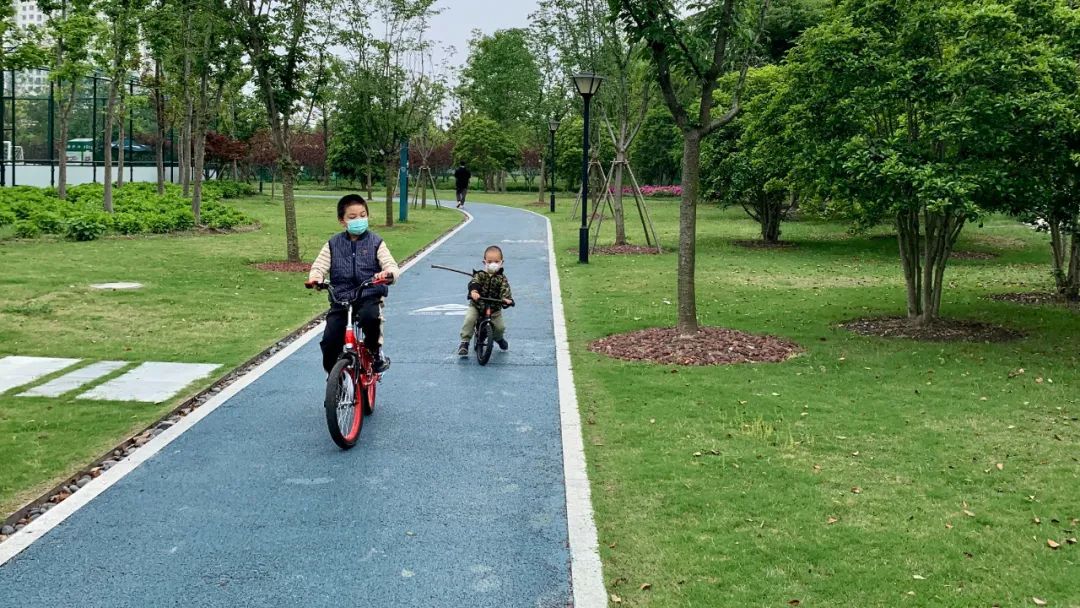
x=655, y=191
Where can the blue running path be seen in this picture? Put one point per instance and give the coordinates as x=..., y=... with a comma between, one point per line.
x=454, y=497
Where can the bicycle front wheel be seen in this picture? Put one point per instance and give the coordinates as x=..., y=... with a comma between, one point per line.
x=342, y=416
x=485, y=339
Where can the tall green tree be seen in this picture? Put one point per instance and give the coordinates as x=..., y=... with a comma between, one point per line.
x=118, y=54
x=484, y=146
x=694, y=50
x=393, y=89
x=285, y=42
x=71, y=26
x=916, y=112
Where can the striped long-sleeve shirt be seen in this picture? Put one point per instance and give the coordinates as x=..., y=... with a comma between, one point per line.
x=320, y=268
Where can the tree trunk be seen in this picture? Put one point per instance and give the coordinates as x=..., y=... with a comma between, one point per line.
x=189, y=143
x=907, y=234
x=620, y=218
x=1072, y=283
x=66, y=105
x=159, y=111
x=110, y=107
x=772, y=213
x=924, y=267
x=369, y=195
x=120, y=111
x=326, y=150
x=391, y=166
x=288, y=180
x=543, y=182
x=691, y=166
x=423, y=186
x=199, y=141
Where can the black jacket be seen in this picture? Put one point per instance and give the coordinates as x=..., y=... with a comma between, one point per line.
x=462, y=177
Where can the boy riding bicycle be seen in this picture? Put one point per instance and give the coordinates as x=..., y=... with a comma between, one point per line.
x=349, y=259
x=491, y=284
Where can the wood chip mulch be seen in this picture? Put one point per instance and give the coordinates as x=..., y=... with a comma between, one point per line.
x=284, y=266
x=1036, y=298
x=759, y=244
x=945, y=330
x=712, y=346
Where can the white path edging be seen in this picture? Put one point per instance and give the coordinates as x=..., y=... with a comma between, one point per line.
x=55, y=516
x=586, y=570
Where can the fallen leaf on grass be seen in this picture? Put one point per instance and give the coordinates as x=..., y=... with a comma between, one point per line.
x=948, y=526
x=1000, y=466
x=1016, y=373
x=856, y=490
x=832, y=520
x=854, y=453
x=645, y=587
x=793, y=602
x=1038, y=601
x=968, y=513
x=969, y=555
x=1071, y=541
x=697, y=454
x=1037, y=520
x=918, y=577
x=615, y=599
x=1052, y=544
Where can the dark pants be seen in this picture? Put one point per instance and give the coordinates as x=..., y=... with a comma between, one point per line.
x=368, y=312
x=461, y=192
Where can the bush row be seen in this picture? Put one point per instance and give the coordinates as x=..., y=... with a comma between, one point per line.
x=137, y=209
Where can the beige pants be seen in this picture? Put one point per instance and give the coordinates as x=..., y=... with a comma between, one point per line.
x=472, y=315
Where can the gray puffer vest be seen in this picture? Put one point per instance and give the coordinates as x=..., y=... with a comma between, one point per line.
x=354, y=262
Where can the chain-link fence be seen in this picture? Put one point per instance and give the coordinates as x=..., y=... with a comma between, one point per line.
x=30, y=110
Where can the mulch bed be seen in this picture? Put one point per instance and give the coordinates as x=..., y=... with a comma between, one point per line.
x=284, y=266
x=1036, y=298
x=973, y=255
x=945, y=330
x=758, y=244
x=712, y=346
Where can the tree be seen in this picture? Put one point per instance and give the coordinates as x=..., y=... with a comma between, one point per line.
x=588, y=39
x=71, y=26
x=1049, y=165
x=696, y=49
x=285, y=42
x=501, y=79
x=484, y=146
x=747, y=164
x=916, y=112
x=390, y=93
x=118, y=53
x=657, y=152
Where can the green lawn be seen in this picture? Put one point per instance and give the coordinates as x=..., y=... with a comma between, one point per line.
x=203, y=301
x=899, y=442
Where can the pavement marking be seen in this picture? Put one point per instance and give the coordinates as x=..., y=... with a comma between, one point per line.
x=17, y=371
x=152, y=382
x=22, y=539
x=586, y=570
x=452, y=310
x=73, y=380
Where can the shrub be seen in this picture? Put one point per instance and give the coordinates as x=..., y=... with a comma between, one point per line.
x=48, y=222
x=128, y=223
x=221, y=217
x=7, y=217
x=25, y=229
x=86, y=226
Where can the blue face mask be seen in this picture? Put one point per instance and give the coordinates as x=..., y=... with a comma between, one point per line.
x=358, y=226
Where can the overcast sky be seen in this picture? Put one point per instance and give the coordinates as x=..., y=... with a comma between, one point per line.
x=460, y=17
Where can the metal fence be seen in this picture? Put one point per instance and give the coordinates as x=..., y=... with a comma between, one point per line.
x=29, y=129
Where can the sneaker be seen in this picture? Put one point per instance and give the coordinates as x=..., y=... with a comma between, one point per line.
x=381, y=364
x=463, y=349
x=503, y=344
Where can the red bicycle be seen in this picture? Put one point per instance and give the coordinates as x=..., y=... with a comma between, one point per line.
x=352, y=381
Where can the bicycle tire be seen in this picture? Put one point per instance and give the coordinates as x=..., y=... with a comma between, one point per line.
x=485, y=339
x=342, y=418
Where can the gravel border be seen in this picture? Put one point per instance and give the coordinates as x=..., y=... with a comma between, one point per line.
x=43, y=503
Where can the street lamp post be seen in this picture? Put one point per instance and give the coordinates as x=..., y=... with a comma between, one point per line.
x=553, y=125
x=587, y=83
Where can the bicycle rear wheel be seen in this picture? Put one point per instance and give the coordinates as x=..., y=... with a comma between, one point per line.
x=342, y=416
x=485, y=339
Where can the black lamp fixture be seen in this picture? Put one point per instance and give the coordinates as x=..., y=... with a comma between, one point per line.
x=587, y=83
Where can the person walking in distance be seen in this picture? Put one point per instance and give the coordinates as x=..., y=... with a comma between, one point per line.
x=461, y=182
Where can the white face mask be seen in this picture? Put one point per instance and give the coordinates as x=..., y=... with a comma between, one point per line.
x=493, y=267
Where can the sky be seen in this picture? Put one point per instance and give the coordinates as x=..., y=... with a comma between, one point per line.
x=454, y=26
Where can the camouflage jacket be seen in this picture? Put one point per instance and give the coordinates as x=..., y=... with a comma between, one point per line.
x=495, y=286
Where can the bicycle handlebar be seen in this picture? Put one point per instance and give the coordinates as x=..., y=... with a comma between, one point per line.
x=326, y=286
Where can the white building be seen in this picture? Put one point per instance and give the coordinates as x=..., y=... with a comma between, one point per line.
x=34, y=82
